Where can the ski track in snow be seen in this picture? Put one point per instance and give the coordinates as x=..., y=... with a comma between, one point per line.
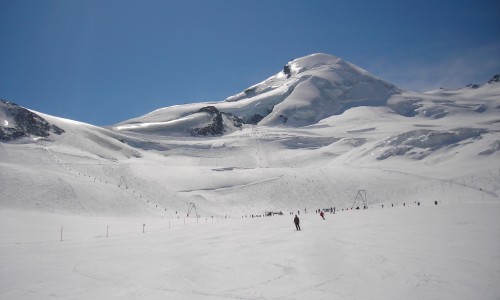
x=234, y=186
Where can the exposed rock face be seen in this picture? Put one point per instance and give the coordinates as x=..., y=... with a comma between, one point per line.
x=287, y=71
x=17, y=122
x=219, y=123
x=473, y=86
x=495, y=78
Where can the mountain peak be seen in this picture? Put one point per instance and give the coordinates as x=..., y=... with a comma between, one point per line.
x=311, y=88
x=308, y=89
x=314, y=60
x=313, y=65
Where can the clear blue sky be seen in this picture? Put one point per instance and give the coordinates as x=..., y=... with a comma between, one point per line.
x=103, y=61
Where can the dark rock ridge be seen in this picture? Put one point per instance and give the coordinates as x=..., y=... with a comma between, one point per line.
x=219, y=122
x=287, y=71
x=495, y=78
x=25, y=123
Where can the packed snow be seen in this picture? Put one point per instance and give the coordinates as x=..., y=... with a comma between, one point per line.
x=417, y=252
x=103, y=212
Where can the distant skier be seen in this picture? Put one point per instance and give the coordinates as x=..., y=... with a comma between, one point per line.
x=296, y=220
x=322, y=215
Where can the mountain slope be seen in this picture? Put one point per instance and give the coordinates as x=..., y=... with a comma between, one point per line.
x=441, y=145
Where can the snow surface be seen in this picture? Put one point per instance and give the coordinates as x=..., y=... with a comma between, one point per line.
x=417, y=252
x=403, y=148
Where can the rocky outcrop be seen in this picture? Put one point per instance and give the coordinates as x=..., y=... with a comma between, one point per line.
x=494, y=79
x=17, y=122
x=287, y=71
x=220, y=121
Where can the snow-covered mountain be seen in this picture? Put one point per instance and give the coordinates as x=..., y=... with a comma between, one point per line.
x=160, y=206
x=311, y=135
x=306, y=91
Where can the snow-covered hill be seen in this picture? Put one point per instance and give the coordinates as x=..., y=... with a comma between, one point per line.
x=309, y=136
x=316, y=135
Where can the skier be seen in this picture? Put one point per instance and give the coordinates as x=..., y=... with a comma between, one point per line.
x=296, y=220
x=322, y=215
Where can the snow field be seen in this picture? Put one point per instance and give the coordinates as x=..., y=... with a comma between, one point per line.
x=233, y=177
x=426, y=252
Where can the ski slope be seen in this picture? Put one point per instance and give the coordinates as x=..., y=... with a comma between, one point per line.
x=321, y=138
x=411, y=252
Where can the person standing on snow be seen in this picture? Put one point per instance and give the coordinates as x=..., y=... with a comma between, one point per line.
x=296, y=220
x=322, y=215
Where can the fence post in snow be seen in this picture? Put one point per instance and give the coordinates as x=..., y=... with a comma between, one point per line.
x=61, y=232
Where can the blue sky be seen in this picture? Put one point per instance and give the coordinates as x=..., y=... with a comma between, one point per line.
x=103, y=62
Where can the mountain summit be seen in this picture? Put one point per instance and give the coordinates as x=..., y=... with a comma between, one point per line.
x=315, y=87
x=306, y=91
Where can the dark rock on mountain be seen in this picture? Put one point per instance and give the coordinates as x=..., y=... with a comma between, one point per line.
x=495, y=78
x=286, y=70
x=250, y=92
x=23, y=123
x=219, y=122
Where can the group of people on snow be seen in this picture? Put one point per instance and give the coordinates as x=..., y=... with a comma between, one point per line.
x=296, y=220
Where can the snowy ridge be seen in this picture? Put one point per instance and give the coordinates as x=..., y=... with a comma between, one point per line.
x=314, y=87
